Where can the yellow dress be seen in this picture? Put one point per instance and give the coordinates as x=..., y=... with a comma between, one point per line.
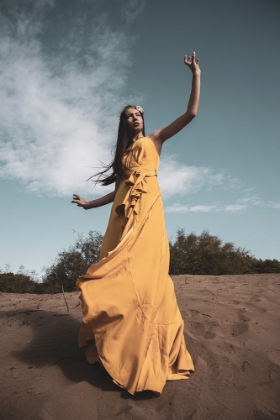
x=131, y=320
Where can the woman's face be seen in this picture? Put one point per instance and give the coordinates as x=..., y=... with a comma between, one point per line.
x=134, y=120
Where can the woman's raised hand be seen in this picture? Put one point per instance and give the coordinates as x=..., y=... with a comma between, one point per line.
x=192, y=62
x=77, y=199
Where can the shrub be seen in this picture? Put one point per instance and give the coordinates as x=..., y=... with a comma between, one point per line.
x=189, y=254
x=206, y=254
x=19, y=283
x=73, y=263
x=266, y=266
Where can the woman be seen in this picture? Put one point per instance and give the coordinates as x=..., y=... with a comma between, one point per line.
x=131, y=320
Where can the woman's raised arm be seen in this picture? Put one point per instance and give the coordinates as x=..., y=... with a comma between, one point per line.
x=161, y=135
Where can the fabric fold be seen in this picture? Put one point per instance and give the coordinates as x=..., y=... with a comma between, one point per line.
x=137, y=183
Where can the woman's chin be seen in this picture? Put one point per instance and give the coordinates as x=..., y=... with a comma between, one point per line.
x=137, y=130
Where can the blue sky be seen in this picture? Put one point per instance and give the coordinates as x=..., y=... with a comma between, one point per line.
x=67, y=69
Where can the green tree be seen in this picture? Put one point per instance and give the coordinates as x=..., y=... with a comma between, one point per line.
x=73, y=263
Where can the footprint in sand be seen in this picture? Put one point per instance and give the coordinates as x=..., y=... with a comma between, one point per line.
x=254, y=309
x=132, y=411
x=242, y=326
x=239, y=328
x=209, y=335
x=199, y=330
x=192, y=313
x=236, y=302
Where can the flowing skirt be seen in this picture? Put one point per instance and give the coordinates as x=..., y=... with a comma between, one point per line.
x=131, y=320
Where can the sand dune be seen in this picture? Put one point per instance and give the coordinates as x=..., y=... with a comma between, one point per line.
x=232, y=329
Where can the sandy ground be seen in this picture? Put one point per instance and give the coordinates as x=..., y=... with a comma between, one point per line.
x=232, y=329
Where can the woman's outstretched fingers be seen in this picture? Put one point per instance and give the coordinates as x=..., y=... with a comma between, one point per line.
x=75, y=198
x=192, y=62
x=189, y=59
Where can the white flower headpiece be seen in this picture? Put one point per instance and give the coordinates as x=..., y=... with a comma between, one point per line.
x=140, y=109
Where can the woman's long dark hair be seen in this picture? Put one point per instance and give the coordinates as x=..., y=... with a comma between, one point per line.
x=124, y=141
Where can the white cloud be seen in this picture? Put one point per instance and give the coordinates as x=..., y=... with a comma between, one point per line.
x=230, y=208
x=60, y=105
x=203, y=209
x=177, y=178
x=233, y=208
x=60, y=98
x=54, y=107
x=178, y=208
x=251, y=200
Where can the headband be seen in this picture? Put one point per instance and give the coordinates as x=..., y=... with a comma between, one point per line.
x=140, y=109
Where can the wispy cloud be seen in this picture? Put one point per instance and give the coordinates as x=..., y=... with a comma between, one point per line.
x=54, y=103
x=177, y=178
x=61, y=95
x=275, y=205
x=61, y=91
x=234, y=208
x=178, y=208
x=131, y=9
x=240, y=206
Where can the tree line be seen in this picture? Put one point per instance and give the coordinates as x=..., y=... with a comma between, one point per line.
x=189, y=254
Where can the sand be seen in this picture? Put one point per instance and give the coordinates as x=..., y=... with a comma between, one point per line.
x=232, y=329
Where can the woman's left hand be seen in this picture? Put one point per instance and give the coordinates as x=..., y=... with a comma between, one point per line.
x=193, y=63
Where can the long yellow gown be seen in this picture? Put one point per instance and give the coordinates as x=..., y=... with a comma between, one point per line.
x=131, y=320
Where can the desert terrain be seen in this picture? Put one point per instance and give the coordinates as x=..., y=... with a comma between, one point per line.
x=232, y=330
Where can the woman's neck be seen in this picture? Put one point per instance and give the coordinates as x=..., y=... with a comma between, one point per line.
x=137, y=136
